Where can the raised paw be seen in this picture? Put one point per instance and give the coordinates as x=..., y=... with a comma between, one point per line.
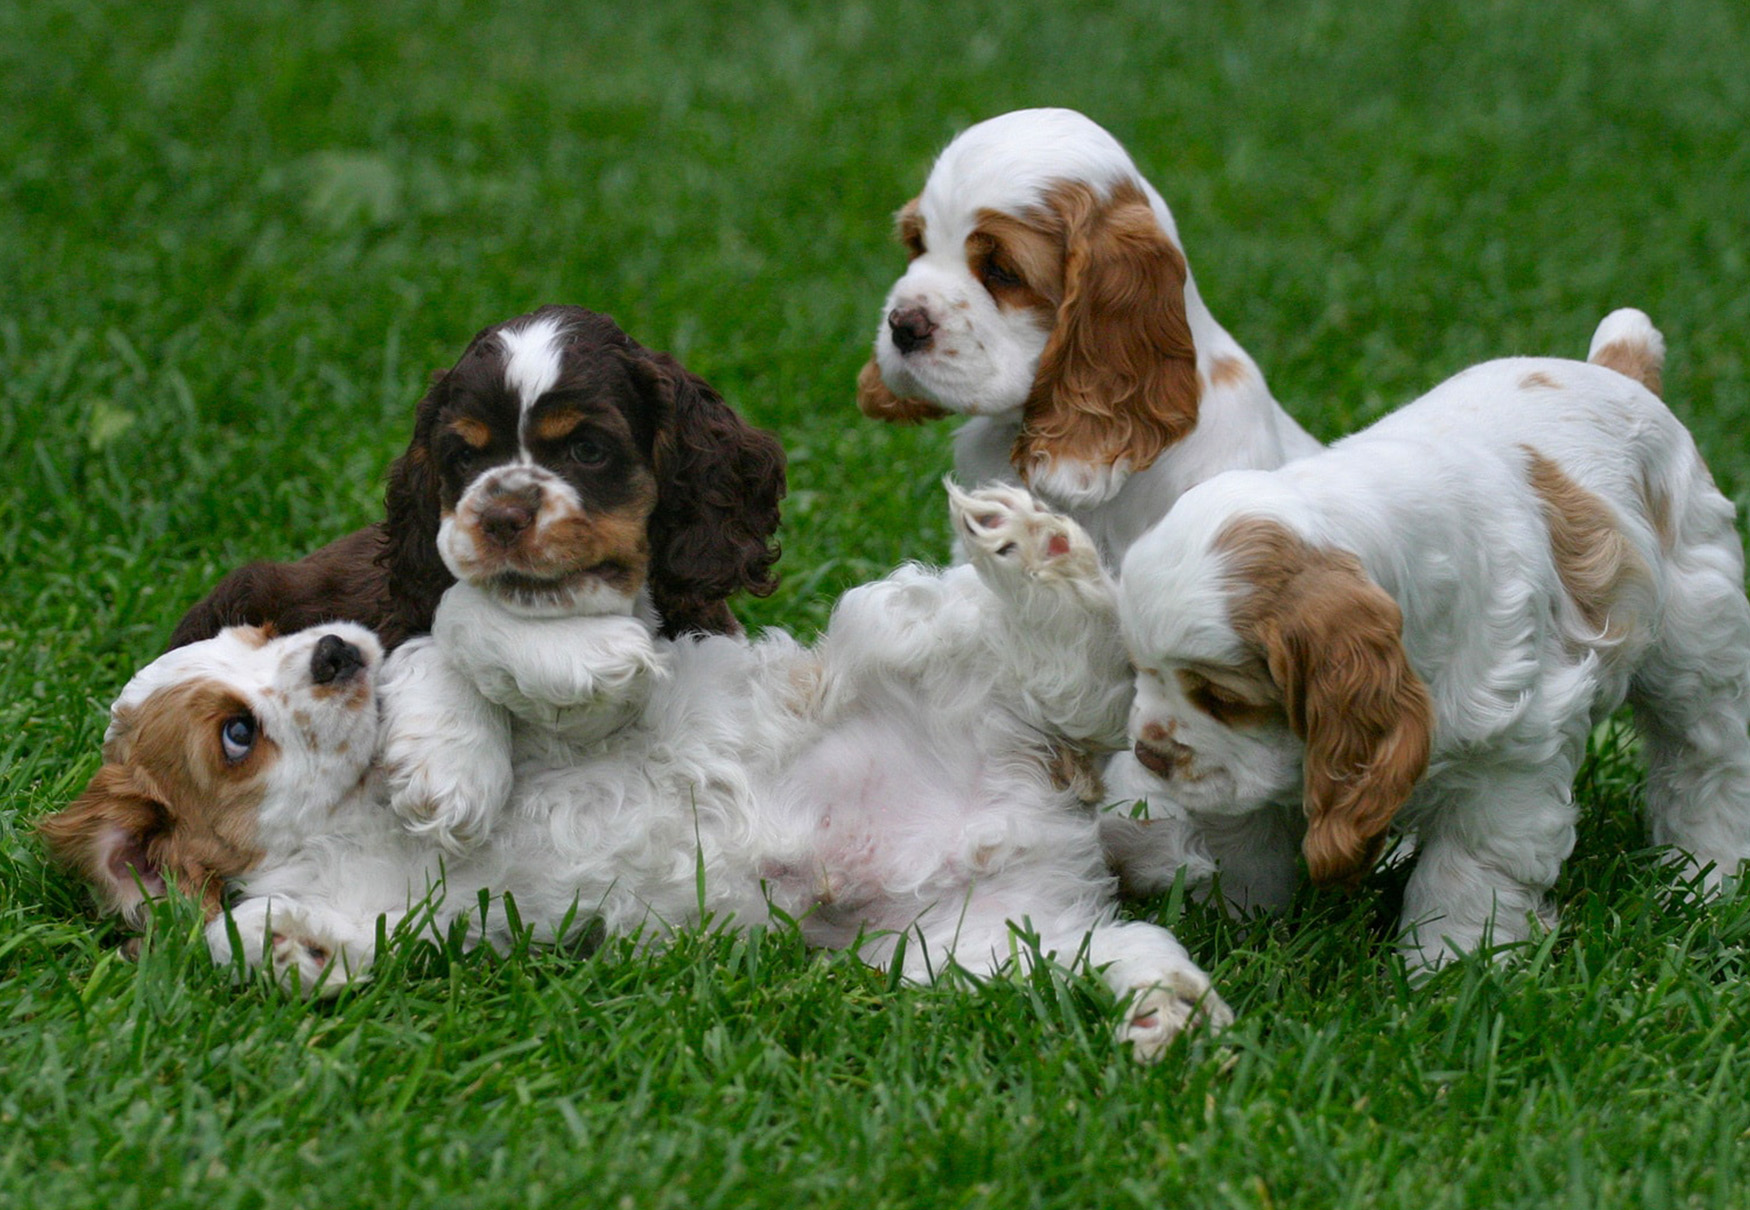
x=1178, y=999
x=1005, y=530
x=450, y=793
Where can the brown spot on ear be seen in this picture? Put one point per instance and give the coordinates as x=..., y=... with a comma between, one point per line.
x=1118, y=377
x=875, y=401
x=1333, y=642
x=1538, y=380
x=1634, y=359
x=908, y=226
x=1227, y=372
x=1599, y=567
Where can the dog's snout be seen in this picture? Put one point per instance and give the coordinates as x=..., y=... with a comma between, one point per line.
x=335, y=660
x=504, y=518
x=911, y=327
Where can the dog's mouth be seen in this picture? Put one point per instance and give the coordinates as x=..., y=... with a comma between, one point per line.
x=553, y=588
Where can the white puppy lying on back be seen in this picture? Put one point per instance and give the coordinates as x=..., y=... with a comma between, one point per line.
x=901, y=780
x=1421, y=626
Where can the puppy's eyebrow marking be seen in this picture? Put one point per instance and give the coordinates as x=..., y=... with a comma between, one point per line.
x=474, y=432
x=532, y=358
x=558, y=424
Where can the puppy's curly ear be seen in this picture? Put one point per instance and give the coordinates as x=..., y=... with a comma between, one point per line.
x=416, y=573
x=1333, y=642
x=1117, y=381
x=116, y=837
x=719, y=481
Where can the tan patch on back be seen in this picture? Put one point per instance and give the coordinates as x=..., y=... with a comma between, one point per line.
x=1635, y=360
x=1598, y=565
x=1227, y=372
x=1538, y=380
x=1118, y=378
x=1333, y=643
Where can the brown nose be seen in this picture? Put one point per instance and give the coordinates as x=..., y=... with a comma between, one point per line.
x=911, y=328
x=506, y=517
x=1160, y=754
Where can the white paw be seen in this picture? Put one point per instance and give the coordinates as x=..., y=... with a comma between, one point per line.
x=291, y=945
x=1178, y=998
x=1006, y=532
x=448, y=792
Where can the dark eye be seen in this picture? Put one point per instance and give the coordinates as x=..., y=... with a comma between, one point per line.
x=997, y=275
x=587, y=451
x=237, y=737
x=459, y=459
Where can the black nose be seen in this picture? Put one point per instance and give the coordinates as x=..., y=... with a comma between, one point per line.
x=504, y=518
x=335, y=661
x=911, y=328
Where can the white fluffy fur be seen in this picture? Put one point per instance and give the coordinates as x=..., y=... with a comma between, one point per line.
x=890, y=782
x=1436, y=504
x=983, y=359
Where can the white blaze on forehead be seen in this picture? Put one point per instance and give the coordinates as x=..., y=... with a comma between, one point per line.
x=532, y=358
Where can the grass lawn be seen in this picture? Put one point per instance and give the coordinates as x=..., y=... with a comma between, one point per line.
x=236, y=237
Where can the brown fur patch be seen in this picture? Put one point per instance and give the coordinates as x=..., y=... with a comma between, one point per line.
x=1228, y=371
x=908, y=226
x=556, y=424
x=1118, y=378
x=1538, y=380
x=1635, y=360
x=476, y=433
x=1076, y=770
x=168, y=804
x=1004, y=246
x=1598, y=565
x=1230, y=700
x=875, y=401
x=1333, y=643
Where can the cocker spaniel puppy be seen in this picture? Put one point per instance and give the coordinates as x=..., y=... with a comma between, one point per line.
x=555, y=461
x=1048, y=299
x=1421, y=627
x=746, y=780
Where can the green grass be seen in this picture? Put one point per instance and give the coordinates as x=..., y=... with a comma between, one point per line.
x=237, y=237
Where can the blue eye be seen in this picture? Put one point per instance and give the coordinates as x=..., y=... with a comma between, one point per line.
x=237, y=736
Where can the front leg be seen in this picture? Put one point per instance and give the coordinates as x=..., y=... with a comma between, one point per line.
x=446, y=749
x=1055, y=615
x=581, y=676
x=309, y=951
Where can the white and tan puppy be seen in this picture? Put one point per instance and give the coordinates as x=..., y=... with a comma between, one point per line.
x=902, y=780
x=1420, y=627
x=1048, y=300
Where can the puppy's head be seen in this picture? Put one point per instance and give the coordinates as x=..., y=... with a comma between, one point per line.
x=1269, y=668
x=561, y=468
x=1045, y=277
x=216, y=753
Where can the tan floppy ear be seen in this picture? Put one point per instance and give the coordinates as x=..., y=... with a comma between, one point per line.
x=1118, y=377
x=875, y=401
x=117, y=837
x=1335, y=648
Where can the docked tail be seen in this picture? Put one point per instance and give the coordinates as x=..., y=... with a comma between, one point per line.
x=1627, y=342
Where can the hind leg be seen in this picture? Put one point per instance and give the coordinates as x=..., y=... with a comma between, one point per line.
x=1691, y=698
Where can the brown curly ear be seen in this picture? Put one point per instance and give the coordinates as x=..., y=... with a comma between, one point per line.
x=877, y=402
x=1118, y=377
x=116, y=836
x=1333, y=641
x=719, y=481
x=416, y=573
